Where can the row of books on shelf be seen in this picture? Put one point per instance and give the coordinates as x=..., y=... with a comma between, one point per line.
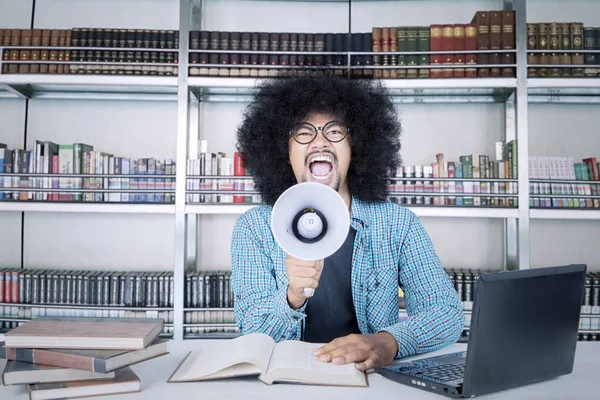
x=462, y=182
x=209, y=317
x=471, y=166
x=91, y=288
x=236, y=53
x=204, y=291
x=29, y=51
x=208, y=289
x=12, y=313
x=15, y=61
x=56, y=358
x=488, y=30
x=211, y=332
x=219, y=164
x=119, y=289
x=79, y=158
x=564, y=170
x=91, y=37
x=549, y=39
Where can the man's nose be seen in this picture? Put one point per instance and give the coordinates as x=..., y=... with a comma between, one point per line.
x=320, y=140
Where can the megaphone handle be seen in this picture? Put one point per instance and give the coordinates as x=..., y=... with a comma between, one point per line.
x=308, y=292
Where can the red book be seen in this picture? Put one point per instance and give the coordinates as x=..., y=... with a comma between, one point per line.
x=592, y=165
x=471, y=44
x=459, y=45
x=470, y=37
x=239, y=169
x=435, y=44
x=2, y=287
x=7, y=286
x=14, y=297
x=436, y=38
x=448, y=44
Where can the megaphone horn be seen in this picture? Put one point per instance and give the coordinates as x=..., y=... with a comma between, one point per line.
x=310, y=221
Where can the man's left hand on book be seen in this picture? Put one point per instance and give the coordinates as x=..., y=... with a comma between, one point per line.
x=365, y=351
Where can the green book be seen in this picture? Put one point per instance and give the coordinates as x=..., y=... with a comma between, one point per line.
x=411, y=45
x=402, y=46
x=423, y=44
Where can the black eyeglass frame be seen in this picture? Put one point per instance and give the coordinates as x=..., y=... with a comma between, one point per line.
x=322, y=129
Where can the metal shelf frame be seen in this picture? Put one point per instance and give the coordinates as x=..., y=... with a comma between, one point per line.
x=190, y=92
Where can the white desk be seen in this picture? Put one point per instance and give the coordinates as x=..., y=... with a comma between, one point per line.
x=581, y=384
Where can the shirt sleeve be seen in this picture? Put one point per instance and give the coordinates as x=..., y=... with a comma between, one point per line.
x=435, y=316
x=260, y=305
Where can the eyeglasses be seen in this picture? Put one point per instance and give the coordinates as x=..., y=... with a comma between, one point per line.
x=305, y=132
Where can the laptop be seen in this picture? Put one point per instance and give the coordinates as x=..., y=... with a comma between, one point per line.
x=523, y=330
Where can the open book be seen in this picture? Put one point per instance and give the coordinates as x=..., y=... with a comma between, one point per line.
x=258, y=354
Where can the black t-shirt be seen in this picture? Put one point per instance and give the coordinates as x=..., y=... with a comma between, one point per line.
x=330, y=312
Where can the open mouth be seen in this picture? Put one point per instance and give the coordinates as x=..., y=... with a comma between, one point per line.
x=321, y=167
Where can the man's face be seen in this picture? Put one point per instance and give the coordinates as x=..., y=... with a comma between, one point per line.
x=321, y=160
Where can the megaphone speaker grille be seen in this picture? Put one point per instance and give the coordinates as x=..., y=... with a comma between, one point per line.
x=309, y=225
x=310, y=221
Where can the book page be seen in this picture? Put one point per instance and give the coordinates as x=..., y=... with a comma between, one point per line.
x=299, y=355
x=254, y=349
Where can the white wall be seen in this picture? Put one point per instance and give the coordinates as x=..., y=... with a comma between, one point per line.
x=15, y=14
x=132, y=14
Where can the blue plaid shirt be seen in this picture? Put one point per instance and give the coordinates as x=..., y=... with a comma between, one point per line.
x=391, y=249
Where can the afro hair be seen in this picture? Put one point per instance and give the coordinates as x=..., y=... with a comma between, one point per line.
x=362, y=105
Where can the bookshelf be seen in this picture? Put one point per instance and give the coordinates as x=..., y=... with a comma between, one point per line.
x=90, y=87
x=191, y=94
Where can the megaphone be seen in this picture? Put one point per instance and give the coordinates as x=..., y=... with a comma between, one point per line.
x=310, y=221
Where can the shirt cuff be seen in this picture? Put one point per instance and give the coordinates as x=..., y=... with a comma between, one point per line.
x=407, y=344
x=283, y=309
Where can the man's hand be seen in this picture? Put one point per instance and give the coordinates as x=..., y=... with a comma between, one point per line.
x=365, y=351
x=301, y=274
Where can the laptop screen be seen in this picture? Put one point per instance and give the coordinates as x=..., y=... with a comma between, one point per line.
x=524, y=327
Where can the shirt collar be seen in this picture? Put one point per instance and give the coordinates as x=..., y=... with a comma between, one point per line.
x=359, y=214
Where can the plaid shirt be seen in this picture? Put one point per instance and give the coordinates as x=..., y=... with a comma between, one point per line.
x=391, y=249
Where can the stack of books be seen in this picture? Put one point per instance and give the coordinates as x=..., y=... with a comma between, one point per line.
x=66, y=357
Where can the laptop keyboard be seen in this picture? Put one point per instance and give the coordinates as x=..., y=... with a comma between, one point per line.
x=445, y=372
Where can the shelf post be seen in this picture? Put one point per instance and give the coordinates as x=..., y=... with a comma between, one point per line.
x=192, y=220
x=180, y=178
x=522, y=134
x=511, y=231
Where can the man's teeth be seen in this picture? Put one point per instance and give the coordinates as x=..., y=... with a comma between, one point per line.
x=322, y=158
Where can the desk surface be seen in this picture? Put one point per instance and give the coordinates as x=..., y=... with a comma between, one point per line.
x=581, y=384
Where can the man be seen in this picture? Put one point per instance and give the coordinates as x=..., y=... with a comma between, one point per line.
x=345, y=134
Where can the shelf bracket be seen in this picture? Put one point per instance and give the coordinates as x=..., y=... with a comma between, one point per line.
x=20, y=91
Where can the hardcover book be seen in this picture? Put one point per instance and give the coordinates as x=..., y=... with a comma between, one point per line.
x=85, y=333
x=18, y=373
x=258, y=354
x=125, y=381
x=101, y=361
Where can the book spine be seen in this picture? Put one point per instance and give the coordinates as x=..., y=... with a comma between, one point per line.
x=482, y=21
x=436, y=44
x=423, y=44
